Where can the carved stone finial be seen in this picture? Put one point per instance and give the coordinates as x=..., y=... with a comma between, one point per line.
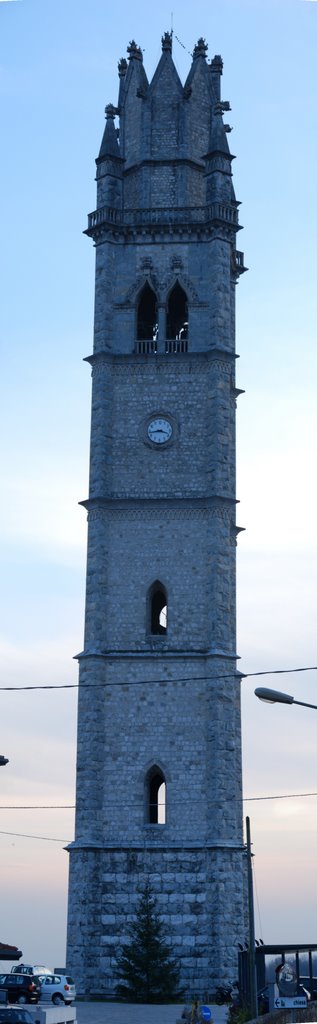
x=216, y=64
x=167, y=39
x=134, y=51
x=218, y=108
x=200, y=50
x=110, y=111
x=122, y=67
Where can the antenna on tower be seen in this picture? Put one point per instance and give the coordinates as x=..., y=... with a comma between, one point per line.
x=171, y=23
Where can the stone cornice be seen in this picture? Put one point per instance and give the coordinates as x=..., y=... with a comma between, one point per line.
x=157, y=650
x=187, y=233
x=188, y=506
x=195, y=360
x=149, y=845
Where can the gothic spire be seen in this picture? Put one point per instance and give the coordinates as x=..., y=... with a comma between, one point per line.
x=218, y=131
x=109, y=145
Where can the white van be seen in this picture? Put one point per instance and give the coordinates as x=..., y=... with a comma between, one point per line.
x=28, y=969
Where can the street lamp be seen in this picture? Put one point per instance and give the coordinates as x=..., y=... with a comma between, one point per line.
x=276, y=697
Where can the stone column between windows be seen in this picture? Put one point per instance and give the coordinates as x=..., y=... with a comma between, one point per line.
x=161, y=319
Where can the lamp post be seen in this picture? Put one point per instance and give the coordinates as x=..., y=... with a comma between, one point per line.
x=276, y=697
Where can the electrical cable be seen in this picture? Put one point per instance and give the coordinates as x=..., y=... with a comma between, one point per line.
x=71, y=807
x=36, y=807
x=141, y=682
x=22, y=835
x=282, y=796
x=51, y=807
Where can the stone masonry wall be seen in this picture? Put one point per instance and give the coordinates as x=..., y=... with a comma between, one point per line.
x=196, y=923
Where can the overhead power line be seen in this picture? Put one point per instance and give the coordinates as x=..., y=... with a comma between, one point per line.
x=281, y=796
x=141, y=682
x=36, y=807
x=59, y=807
x=71, y=807
x=22, y=835
x=53, y=839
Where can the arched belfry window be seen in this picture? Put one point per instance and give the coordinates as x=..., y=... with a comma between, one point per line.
x=147, y=314
x=177, y=314
x=157, y=609
x=155, y=797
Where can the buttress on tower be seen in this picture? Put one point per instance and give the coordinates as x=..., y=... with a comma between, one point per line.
x=159, y=789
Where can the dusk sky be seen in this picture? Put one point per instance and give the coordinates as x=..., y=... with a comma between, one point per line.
x=58, y=71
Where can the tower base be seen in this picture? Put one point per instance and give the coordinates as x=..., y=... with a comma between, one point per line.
x=200, y=894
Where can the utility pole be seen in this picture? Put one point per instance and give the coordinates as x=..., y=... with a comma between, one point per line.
x=252, y=967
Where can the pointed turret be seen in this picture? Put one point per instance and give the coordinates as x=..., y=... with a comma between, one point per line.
x=165, y=102
x=109, y=145
x=218, y=132
x=216, y=67
x=122, y=72
x=218, y=159
x=109, y=164
x=199, y=96
x=166, y=75
x=133, y=88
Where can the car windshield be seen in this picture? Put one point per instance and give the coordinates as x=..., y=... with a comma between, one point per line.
x=21, y=969
x=10, y=1016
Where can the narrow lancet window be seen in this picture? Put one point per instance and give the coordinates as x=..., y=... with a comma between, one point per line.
x=147, y=315
x=177, y=314
x=156, y=797
x=157, y=609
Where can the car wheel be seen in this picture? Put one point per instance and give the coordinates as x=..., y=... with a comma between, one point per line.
x=22, y=999
x=57, y=1000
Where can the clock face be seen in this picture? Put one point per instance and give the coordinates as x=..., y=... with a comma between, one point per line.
x=159, y=430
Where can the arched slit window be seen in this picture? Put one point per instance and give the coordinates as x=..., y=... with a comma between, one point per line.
x=157, y=609
x=156, y=797
x=177, y=314
x=147, y=315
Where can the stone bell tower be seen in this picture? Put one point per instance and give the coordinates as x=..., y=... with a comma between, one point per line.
x=159, y=793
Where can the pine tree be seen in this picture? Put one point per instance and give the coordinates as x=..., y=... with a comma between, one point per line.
x=147, y=971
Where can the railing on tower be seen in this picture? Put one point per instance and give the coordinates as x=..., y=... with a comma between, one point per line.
x=175, y=345
x=172, y=346
x=163, y=215
x=145, y=348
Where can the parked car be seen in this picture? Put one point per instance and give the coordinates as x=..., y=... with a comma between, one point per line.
x=21, y=988
x=15, y=1015
x=29, y=969
x=57, y=988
